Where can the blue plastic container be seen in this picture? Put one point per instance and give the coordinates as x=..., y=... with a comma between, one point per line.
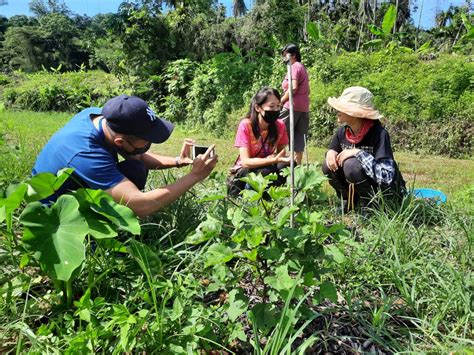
x=430, y=194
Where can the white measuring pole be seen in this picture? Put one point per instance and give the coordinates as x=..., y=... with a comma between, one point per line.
x=292, y=138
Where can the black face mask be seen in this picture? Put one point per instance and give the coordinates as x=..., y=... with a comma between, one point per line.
x=136, y=151
x=141, y=150
x=271, y=116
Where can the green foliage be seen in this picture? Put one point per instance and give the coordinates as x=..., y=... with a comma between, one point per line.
x=412, y=94
x=152, y=293
x=257, y=233
x=55, y=234
x=70, y=91
x=400, y=254
x=217, y=89
x=53, y=42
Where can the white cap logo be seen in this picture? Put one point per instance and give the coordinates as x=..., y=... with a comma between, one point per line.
x=151, y=114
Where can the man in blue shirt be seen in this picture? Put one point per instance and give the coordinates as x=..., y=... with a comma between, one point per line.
x=126, y=125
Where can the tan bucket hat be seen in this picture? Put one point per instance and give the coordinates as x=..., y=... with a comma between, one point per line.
x=356, y=101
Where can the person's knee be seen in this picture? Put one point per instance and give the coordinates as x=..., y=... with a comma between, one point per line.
x=135, y=171
x=325, y=168
x=353, y=171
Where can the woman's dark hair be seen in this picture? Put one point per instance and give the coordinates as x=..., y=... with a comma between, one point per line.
x=292, y=49
x=259, y=99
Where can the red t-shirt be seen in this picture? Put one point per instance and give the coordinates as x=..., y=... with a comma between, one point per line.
x=301, y=96
x=246, y=139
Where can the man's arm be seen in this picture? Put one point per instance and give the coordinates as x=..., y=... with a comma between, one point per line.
x=146, y=203
x=156, y=161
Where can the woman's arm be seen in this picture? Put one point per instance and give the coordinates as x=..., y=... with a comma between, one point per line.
x=251, y=163
x=382, y=171
x=286, y=96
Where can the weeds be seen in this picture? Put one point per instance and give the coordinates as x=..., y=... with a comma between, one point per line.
x=397, y=281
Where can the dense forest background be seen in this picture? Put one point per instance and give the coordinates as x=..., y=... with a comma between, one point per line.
x=199, y=67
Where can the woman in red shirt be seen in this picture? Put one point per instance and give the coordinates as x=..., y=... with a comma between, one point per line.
x=300, y=83
x=261, y=139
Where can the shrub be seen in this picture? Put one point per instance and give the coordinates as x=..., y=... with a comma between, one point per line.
x=428, y=104
x=218, y=87
x=70, y=91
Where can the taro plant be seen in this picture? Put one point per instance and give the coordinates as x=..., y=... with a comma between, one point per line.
x=55, y=235
x=254, y=235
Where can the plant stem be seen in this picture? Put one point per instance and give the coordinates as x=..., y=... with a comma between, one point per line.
x=69, y=292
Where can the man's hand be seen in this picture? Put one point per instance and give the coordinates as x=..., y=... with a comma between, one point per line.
x=345, y=154
x=185, y=154
x=331, y=160
x=203, y=164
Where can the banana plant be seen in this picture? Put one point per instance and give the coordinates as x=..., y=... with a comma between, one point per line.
x=466, y=41
x=385, y=37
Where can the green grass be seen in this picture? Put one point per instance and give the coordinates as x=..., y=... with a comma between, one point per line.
x=29, y=131
x=406, y=284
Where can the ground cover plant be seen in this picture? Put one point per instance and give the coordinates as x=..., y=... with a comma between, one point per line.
x=213, y=274
x=210, y=274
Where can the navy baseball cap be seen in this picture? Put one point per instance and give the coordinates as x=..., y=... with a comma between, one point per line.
x=132, y=115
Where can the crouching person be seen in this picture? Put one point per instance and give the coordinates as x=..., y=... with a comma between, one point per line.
x=92, y=141
x=261, y=139
x=360, y=160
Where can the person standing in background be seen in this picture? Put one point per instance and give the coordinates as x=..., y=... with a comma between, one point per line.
x=300, y=83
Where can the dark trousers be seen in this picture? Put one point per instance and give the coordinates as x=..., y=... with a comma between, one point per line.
x=351, y=176
x=135, y=171
x=234, y=185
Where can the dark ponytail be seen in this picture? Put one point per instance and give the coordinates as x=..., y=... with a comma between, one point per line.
x=292, y=49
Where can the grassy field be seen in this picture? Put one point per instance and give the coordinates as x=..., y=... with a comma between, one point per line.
x=402, y=282
x=29, y=131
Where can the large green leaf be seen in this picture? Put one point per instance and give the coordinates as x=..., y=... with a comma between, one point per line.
x=10, y=203
x=254, y=236
x=238, y=304
x=466, y=23
x=313, y=31
x=45, y=184
x=376, y=30
x=389, y=19
x=374, y=43
x=206, y=230
x=103, y=204
x=217, y=254
x=284, y=215
x=99, y=226
x=56, y=236
x=265, y=317
x=327, y=290
x=306, y=180
x=282, y=281
x=236, y=215
x=469, y=34
x=334, y=253
x=236, y=49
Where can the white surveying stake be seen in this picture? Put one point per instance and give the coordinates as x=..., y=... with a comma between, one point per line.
x=287, y=60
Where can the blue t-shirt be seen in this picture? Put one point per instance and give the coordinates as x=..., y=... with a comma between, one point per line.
x=80, y=145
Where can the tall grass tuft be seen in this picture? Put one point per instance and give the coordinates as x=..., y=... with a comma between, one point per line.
x=421, y=255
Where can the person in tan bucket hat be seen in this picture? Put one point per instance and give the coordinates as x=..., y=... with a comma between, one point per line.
x=360, y=160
